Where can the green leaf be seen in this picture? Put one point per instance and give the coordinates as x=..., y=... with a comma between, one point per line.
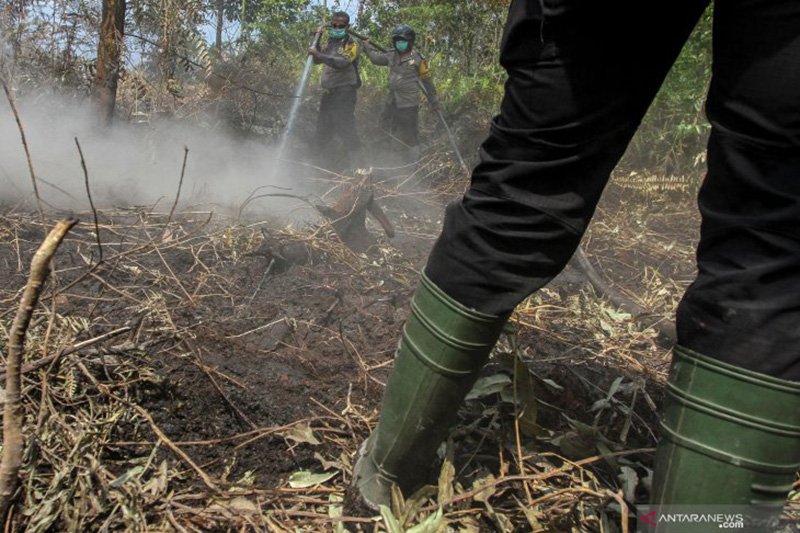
x=136, y=470
x=614, y=387
x=551, y=383
x=617, y=316
x=489, y=385
x=583, y=429
x=606, y=452
x=432, y=524
x=392, y=525
x=305, y=479
x=609, y=330
x=335, y=511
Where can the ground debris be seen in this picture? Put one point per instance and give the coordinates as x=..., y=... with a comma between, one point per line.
x=349, y=212
x=248, y=363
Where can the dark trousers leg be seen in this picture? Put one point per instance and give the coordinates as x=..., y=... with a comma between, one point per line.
x=405, y=128
x=581, y=76
x=325, y=129
x=336, y=120
x=405, y=125
x=346, y=121
x=744, y=306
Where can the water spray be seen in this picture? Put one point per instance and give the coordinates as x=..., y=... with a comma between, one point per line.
x=296, y=101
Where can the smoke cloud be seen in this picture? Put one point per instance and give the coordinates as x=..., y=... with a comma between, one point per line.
x=139, y=164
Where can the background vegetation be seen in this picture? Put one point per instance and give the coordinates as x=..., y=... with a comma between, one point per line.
x=234, y=64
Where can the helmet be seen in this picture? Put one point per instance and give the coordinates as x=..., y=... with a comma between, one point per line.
x=404, y=32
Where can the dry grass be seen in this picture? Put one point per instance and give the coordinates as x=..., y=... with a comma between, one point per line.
x=523, y=458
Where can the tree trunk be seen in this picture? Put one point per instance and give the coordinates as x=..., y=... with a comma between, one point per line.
x=220, y=22
x=109, y=51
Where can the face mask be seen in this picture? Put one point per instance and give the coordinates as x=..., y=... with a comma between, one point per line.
x=401, y=46
x=338, y=33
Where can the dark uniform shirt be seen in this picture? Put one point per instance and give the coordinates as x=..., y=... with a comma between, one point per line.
x=405, y=73
x=341, y=64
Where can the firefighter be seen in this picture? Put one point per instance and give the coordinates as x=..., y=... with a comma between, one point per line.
x=581, y=76
x=340, y=81
x=408, y=72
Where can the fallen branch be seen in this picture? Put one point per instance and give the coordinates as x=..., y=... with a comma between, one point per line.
x=639, y=313
x=13, y=441
x=348, y=215
x=44, y=361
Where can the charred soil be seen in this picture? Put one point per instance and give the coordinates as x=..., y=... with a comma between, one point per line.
x=256, y=356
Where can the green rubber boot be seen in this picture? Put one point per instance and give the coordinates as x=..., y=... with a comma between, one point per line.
x=442, y=349
x=730, y=437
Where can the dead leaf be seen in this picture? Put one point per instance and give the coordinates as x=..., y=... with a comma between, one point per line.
x=302, y=433
x=327, y=465
x=486, y=486
x=240, y=504
x=447, y=475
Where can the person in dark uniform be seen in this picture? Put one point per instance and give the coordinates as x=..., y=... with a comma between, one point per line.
x=409, y=73
x=580, y=77
x=340, y=81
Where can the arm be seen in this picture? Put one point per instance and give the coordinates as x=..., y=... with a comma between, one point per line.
x=318, y=56
x=315, y=50
x=338, y=61
x=375, y=56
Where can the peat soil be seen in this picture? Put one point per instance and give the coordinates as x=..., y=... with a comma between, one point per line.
x=242, y=327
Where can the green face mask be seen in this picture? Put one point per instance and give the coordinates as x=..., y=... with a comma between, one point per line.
x=401, y=46
x=338, y=33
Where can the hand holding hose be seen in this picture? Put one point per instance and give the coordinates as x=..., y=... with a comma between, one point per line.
x=313, y=50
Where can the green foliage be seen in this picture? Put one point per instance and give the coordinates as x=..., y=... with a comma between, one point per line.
x=284, y=24
x=672, y=137
x=171, y=50
x=173, y=26
x=460, y=39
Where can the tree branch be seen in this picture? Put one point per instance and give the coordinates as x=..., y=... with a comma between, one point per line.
x=13, y=442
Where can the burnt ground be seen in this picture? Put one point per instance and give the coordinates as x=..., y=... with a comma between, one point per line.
x=260, y=353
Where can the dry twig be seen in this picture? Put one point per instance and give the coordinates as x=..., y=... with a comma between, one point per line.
x=12, y=413
x=13, y=106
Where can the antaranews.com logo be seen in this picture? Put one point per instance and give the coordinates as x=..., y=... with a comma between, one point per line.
x=705, y=518
x=718, y=520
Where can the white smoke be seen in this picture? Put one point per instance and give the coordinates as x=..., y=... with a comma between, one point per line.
x=138, y=164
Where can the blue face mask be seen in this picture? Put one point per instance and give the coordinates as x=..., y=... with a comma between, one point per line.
x=338, y=33
x=401, y=46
